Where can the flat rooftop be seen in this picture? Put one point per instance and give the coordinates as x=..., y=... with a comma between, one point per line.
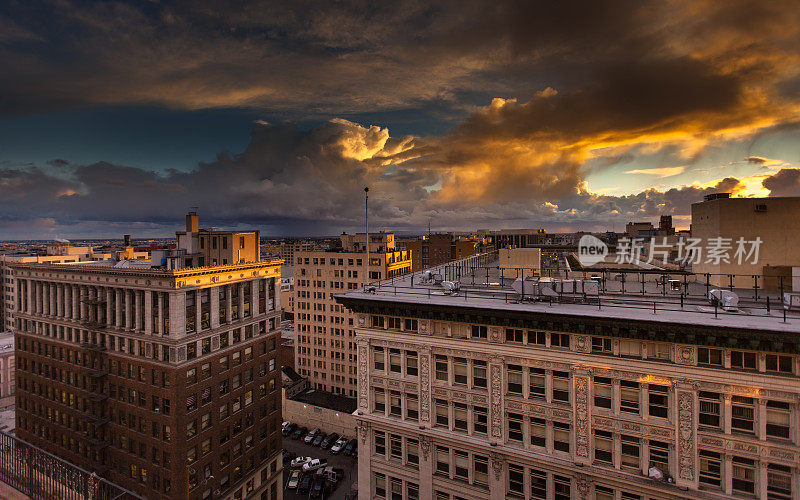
x=335, y=402
x=646, y=295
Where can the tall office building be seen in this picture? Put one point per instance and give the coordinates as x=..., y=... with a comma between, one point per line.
x=481, y=395
x=325, y=350
x=165, y=381
x=436, y=249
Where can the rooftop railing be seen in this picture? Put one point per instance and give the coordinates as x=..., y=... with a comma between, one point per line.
x=43, y=476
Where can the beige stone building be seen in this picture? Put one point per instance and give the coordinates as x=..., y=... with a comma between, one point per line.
x=7, y=370
x=474, y=395
x=324, y=340
x=774, y=220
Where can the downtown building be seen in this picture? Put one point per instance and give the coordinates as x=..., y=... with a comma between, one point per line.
x=479, y=394
x=164, y=381
x=325, y=350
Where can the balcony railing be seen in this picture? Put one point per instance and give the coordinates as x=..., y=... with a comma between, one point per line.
x=43, y=476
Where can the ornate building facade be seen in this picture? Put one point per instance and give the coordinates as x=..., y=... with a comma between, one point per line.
x=466, y=398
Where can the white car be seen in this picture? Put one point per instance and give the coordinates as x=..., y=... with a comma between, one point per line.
x=314, y=464
x=283, y=425
x=311, y=435
x=338, y=445
x=294, y=479
x=299, y=462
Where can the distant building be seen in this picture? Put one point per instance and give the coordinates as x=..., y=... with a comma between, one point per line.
x=212, y=247
x=7, y=369
x=773, y=220
x=436, y=249
x=519, y=238
x=639, y=229
x=517, y=262
x=324, y=340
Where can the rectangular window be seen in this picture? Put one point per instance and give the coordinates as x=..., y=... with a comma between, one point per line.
x=744, y=475
x=441, y=368
x=778, y=363
x=535, y=337
x=443, y=460
x=659, y=455
x=461, y=463
x=395, y=363
x=710, y=404
x=412, y=451
x=601, y=345
x=479, y=332
x=380, y=400
x=379, y=358
x=480, y=470
x=516, y=479
x=514, y=427
x=411, y=363
x=744, y=360
x=603, y=447
x=480, y=420
x=380, y=485
x=710, y=468
x=514, y=377
x=479, y=374
x=561, y=386
x=412, y=407
x=514, y=335
x=536, y=378
x=561, y=436
x=562, y=486
x=460, y=417
x=630, y=451
x=380, y=443
x=659, y=400
x=395, y=446
x=459, y=371
x=778, y=419
x=395, y=404
x=538, y=484
x=742, y=414
x=629, y=396
x=559, y=340
x=602, y=392
x=779, y=482
x=707, y=356
x=538, y=434
x=442, y=413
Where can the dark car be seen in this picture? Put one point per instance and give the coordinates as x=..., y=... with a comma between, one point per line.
x=288, y=430
x=350, y=447
x=305, y=484
x=318, y=440
x=328, y=441
x=317, y=487
x=299, y=433
x=288, y=456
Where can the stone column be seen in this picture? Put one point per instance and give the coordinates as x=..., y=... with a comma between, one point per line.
x=497, y=477
x=241, y=299
x=364, y=469
x=496, y=417
x=727, y=474
x=118, y=307
x=425, y=401
x=762, y=480
x=198, y=311
x=686, y=431
x=362, y=383
x=581, y=424
x=30, y=285
x=645, y=456
x=177, y=314
x=128, y=309
x=60, y=300
x=255, y=304
x=83, y=307
x=213, y=301
x=109, y=311
x=726, y=413
x=276, y=283
x=761, y=420
x=137, y=297
x=148, y=312
x=75, y=294
x=228, y=303
x=161, y=313
x=426, y=467
x=46, y=300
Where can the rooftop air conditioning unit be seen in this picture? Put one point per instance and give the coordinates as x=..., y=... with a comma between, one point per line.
x=725, y=299
x=427, y=276
x=451, y=286
x=791, y=300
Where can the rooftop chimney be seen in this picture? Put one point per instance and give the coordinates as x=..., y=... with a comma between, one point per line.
x=192, y=222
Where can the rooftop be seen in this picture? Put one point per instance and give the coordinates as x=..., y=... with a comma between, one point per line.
x=646, y=295
x=335, y=402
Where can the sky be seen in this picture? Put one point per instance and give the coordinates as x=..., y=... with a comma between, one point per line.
x=116, y=117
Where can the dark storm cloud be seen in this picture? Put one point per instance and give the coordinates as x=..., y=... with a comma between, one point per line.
x=786, y=182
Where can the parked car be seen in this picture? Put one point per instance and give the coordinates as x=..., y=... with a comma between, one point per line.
x=294, y=480
x=305, y=484
x=338, y=475
x=318, y=440
x=350, y=447
x=288, y=430
x=311, y=435
x=317, y=487
x=299, y=462
x=284, y=424
x=315, y=464
x=299, y=433
x=338, y=445
x=288, y=456
x=329, y=440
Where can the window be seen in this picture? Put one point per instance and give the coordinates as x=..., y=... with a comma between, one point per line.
x=710, y=468
x=561, y=386
x=395, y=363
x=601, y=345
x=603, y=493
x=479, y=373
x=460, y=417
x=516, y=479
x=412, y=451
x=380, y=400
x=380, y=485
x=630, y=451
x=378, y=357
x=709, y=356
x=744, y=360
x=559, y=340
x=412, y=406
x=459, y=371
x=395, y=404
x=538, y=435
x=480, y=470
x=562, y=487
x=742, y=414
x=659, y=455
x=380, y=443
x=479, y=332
x=441, y=368
x=480, y=419
x=603, y=447
x=535, y=337
x=561, y=436
x=514, y=374
x=514, y=335
x=395, y=446
x=778, y=415
x=744, y=475
x=538, y=484
x=461, y=463
x=411, y=363
x=411, y=325
x=536, y=378
x=780, y=364
x=709, y=414
x=779, y=482
x=659, y=400
x=659, y=350
x=602, y=392
x=514, y=427
x=629, y=396
x=442, y=460
x=442, y=413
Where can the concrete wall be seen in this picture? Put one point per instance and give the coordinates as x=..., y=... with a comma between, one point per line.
x=519, y=260
x=304, y=414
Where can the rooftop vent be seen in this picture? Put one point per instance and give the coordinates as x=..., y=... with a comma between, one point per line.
x=717, y=196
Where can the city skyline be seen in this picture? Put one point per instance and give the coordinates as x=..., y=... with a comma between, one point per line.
x=574, y=116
